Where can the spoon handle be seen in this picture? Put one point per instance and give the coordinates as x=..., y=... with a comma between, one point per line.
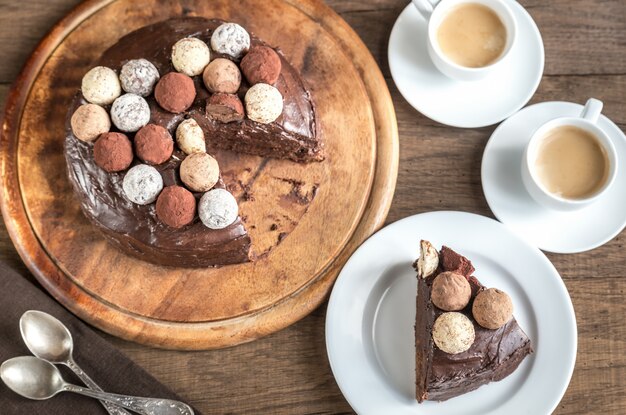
x=111, y=408
x=144, y=406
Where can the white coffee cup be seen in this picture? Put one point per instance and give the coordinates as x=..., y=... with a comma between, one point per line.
x=587, y=121
x=434, y=11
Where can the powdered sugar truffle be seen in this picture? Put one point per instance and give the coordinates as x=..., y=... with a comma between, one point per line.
x=139, y=76
x=100, y=85
x=142, y=184
x=218, y=209
x=130, y=112
x=230, y=39
x=264, y=103
x=190, y=56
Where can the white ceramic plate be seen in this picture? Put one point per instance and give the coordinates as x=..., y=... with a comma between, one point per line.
x=561, y=232
x=465, y=104
x=371, y=314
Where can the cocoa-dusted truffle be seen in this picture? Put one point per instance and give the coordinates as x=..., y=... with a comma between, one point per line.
x=217, y=209
x=453, y=333
x=176, y=206
x=154, y=144
x=224, y=108
x=113, y=152
x=89, y=121
x=261, y=65
x=492, y=308
x=190, y=137
x=139, y=76
x=264, y=103
x=199, y=172
x=101, y=86
x=450, y=291
x=230, y=39
x=222, y=75
x=142, y=184
x=130, y=112
x=190, y=56
x=175, y=92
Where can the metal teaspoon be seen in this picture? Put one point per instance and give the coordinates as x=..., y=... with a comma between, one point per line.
x=49, y=339
x=38, y=379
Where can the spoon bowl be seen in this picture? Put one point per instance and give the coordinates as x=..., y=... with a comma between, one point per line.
x=31, y=377
x=38, y=379
x=46, y=337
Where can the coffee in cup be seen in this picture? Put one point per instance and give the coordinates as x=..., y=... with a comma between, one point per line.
x=570, y=162
x=472, y=35
x=468, y=39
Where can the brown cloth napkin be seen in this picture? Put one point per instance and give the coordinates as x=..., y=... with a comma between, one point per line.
x=109, y=368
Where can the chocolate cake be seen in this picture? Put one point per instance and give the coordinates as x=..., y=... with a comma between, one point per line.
x=491, y=354
x=170, y=58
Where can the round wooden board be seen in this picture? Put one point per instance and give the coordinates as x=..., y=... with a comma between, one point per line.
x=207, y=308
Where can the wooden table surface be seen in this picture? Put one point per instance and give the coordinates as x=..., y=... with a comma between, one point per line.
x=288, y=372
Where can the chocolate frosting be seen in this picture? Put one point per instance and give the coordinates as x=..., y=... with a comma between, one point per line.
x=136, y=229
x=494, y=355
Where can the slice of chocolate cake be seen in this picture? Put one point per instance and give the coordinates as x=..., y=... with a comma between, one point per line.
x=454, y=353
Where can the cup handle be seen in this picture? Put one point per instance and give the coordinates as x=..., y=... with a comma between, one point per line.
x=425, y=7
x=592, y=110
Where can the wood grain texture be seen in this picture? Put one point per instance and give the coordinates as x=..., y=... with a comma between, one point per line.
x=210, y=307
x=288, y=372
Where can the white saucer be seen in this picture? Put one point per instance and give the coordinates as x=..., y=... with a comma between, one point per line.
x=464, y=104
x=371, y=314
x=561, y=232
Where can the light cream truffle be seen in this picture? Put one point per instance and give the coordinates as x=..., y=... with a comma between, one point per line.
x=190, y=56
x=453, y=333
x=222, y=75
x=264, y=103
x=199, y=171
x=89, y=121
x=230, y=39
x=190, y=137
x=101, y=85
x=218, y=209
x=428, y=260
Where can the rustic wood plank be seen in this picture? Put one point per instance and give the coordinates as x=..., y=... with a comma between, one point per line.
x=580, y=36
x=4, y=90
x=611, y=89
x=22, y=24
x=288, y=372
x=9, y=255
